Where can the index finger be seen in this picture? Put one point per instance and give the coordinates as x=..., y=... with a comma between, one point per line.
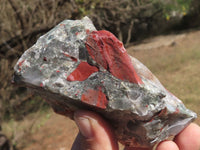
x=189, y=138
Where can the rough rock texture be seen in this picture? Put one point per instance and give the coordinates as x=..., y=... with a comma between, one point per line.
x=73, y=66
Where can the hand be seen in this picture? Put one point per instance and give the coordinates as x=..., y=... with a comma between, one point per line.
x=96, y=134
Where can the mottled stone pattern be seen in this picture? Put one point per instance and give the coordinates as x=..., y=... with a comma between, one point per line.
x=73, y=67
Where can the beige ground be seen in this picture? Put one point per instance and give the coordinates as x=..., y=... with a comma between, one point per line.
x=174, y=59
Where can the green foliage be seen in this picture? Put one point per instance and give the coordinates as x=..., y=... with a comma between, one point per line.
x=173, y=8
x=86, y=7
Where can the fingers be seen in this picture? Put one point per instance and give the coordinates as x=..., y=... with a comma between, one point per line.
x=94, y=133
x=167, y=145
x=128, y=148
x=189, y=138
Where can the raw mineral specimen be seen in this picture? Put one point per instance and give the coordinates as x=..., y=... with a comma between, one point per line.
x=73, y=67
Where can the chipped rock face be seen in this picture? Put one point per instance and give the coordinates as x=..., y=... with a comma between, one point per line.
x=73, y=67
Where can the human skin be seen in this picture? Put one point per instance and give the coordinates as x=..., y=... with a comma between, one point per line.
x=96, y=134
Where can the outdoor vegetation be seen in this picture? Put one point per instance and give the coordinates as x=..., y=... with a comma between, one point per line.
x=132, y=21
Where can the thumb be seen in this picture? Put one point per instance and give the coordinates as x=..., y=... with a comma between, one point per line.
x=94, y=133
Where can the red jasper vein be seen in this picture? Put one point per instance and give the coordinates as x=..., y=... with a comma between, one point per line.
x=110, y=53
x=82, y=72
x=95, y=98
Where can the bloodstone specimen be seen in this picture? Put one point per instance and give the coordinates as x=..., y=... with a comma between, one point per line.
x=73, y=67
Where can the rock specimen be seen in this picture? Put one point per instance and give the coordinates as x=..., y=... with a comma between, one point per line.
x=73, y=67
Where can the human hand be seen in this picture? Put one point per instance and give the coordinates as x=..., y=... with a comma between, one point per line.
x=96, y=134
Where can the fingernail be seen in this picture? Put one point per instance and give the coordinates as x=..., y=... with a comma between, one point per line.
x=84, y=124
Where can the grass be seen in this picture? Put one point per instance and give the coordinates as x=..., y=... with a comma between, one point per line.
x=19, y=132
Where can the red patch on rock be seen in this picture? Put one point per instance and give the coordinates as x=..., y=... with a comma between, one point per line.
x=21, y=62
x=72, y=58
x=44, y=59
x=41, y=85
x=20, y=65
x=82, y=72
x=87, y=31
x=110, y=53
x=95, y=98
x=177, y=111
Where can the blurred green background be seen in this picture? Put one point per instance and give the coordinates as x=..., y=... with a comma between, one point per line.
x=176, y=64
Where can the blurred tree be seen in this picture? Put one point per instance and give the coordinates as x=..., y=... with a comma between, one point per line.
x=4, y=143
x=191, y=19
x=174, y=8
